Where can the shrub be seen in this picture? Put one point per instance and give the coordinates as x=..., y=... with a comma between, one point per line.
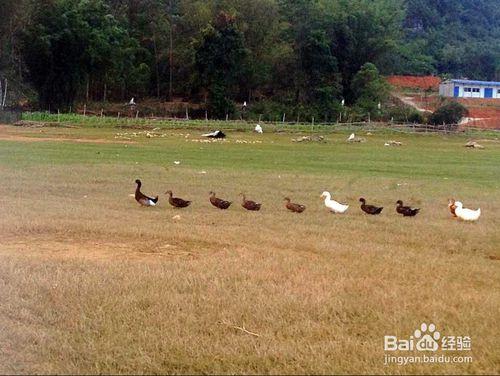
x=448, y=113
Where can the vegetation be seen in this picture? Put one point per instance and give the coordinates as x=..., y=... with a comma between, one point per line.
x=300, y=55
x=448, y=113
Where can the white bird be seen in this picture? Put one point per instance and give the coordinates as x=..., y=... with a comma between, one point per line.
x=351, y=137
x=334, y=206
x=379, y=105
x=343, y=102
x=132, y=103
x=466, y=214
x=258, y=129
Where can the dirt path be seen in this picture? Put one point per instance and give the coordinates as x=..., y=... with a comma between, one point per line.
x=6, y=134
x=408, y=101
x=94, y=250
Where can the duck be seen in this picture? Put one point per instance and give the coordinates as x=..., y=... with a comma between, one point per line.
x=369, y=209
x=466, y=214
x=296, y=208
x=452, y=207
x=258, y=129
x=250, y=205
x=141, y=198
x=334, y=206
x=219, y=203
x=177, y=202
x=406, y=210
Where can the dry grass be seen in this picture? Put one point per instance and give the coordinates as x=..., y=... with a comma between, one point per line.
x=92, y=283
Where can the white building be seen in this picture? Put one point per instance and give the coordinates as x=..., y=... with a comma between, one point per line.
x=469, y=89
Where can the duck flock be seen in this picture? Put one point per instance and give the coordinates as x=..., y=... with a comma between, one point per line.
x=456, y=207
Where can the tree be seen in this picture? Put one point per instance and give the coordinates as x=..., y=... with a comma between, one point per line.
x=67, y=43
x=369, y=89
x=219, y=62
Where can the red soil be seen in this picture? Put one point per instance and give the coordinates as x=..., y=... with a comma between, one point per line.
x=415, y=82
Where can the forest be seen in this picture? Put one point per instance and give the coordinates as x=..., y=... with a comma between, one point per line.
x=303, y=55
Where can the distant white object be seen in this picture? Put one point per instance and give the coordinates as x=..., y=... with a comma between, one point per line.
x=177, y=162
x=351, y=137
x=332, y=205
x=258, y=129
x=244, y=103
x=466, y=214
x=343, y=102
x=132, y=102
x=379, y=105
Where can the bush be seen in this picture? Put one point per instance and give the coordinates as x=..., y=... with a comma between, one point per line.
x=416, y=117
x=405, y=114
x=448, y=113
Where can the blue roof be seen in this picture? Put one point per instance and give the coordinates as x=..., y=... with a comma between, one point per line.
x=470, y=82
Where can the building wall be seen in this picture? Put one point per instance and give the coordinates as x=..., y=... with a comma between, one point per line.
x=448, y=89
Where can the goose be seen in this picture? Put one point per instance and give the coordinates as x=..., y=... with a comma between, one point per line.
x=351, y=137
x=219, y=203
x=406, y=210
x=466, y=214
x=250, y=205
x=452, y=207
x=141, y=198
x=132, y=102
x=258, y=129
x=296, y=208
x=334, y=206
x=369, y=209
x=177, y=202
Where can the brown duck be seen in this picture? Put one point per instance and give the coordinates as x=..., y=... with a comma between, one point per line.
x=219, y=203
x=406, y=210
x=452, y=207
x=177, y=202
x=141, y=198
x=369, y=209
x=296, y=208
x=250, y=205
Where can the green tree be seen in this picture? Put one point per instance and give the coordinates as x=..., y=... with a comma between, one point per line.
x=219, y=61
x=369, y=89
x=67, y=43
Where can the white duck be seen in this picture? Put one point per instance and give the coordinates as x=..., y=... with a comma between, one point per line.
x=334, y=206
x=258, y=128
x=351, y=137
x=466, y=214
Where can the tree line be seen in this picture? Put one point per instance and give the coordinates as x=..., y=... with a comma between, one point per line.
x=305, y=56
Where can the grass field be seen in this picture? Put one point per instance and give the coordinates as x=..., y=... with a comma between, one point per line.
x=92, y=283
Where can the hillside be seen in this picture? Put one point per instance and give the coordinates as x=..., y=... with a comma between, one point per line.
x=303, y=62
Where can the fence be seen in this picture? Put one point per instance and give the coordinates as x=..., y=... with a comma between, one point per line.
x=102, y=120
